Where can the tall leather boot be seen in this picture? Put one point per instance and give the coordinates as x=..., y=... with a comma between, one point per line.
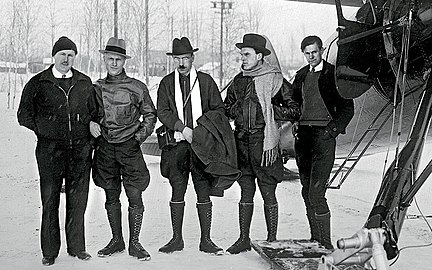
x=116, y=244
x=205, y=219
x=323, y=225
x=271, y=217
x=176, y=243
x=310, y=213
x=135, y=221
x=245, y=217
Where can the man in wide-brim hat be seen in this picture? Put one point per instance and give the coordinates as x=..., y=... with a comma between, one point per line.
x=122, y=102
x=251, y=99
x=183, y=96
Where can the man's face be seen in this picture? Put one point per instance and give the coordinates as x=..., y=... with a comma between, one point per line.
x=313, y=54
x=250, y=58
x=183, y=63
x=114, y=63
x=63, y=60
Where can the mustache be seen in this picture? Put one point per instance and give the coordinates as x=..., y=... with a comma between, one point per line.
x=182, y=66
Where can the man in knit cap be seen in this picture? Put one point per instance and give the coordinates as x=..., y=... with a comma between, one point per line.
x=57, y=104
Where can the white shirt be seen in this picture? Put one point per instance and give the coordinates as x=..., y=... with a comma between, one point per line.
x=319, y=67
x=58, y=75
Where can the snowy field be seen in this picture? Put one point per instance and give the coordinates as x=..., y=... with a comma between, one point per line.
x=21, y=211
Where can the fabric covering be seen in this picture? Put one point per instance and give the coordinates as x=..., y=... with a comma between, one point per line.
x=213, y=142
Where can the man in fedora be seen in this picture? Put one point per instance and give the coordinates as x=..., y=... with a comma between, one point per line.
x=251, y=100
x=183, y=96
x=126, y=117
x=57, y=104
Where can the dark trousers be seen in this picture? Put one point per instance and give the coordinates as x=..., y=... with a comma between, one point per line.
x=176, y=164
x=57, y=161
x=315, y=154
x=249, y=154
x=114, y=163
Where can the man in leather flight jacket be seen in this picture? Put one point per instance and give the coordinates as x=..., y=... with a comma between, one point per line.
x=122, y=102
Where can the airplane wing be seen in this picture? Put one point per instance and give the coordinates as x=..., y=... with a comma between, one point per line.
x=351, y=3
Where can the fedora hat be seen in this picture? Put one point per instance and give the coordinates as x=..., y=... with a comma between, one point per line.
x=116, y=46
x=181, y=46
x=254, y=41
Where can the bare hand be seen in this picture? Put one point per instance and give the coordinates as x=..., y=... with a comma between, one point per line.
x=95, y=129
x=188, y=134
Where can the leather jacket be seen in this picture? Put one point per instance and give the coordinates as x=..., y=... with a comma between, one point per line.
x=242, y=104
x=121, y=103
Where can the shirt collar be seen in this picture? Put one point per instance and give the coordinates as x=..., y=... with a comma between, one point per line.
x=319, y=67
x=58, y=75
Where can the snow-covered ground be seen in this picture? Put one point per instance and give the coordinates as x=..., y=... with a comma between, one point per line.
x=21, y=210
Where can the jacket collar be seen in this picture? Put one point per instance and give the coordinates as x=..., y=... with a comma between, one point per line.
x=121, y=76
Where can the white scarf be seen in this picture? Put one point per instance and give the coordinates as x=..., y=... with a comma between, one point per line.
x=195, y=99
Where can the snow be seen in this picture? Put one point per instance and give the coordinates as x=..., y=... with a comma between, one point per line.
x=21, y=211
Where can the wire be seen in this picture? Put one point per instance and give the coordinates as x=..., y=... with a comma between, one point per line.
x=415, y=246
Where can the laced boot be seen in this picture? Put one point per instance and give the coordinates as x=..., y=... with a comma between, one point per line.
x=205, y=218
x=271, y=217
x=176, y=243
x=135, y=221
x=310, y=213
x=245, y=216
x=323, y=225
x=116, y=243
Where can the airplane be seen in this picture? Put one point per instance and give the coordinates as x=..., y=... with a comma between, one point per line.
x=383, y=60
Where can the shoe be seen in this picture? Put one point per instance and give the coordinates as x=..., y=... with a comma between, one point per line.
x=47, y=261
x=82, y=255
x=114, y=246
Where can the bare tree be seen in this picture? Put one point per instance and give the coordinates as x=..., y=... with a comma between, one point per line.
x=253, y=16
x=97, y=21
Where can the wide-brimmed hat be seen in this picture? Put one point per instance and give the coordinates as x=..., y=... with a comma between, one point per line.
x=116, y=46
x=181, y=46
x=254, y=41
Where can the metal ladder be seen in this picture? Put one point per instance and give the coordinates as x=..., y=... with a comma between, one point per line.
x=355, y=159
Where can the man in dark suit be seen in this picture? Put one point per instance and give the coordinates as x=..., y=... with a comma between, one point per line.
x=325, y=114
x=183, y=96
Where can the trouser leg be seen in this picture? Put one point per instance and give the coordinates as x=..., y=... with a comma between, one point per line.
x=51, y=168
x=77, y=189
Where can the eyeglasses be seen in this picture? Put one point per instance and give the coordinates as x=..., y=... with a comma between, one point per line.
x=183, y=59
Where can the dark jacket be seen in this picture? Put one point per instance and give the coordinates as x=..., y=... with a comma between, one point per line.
x=340, y=109
x=214, y=144
x=166, y=108
x=121, y=102
x=242, y=104
x=56, y=113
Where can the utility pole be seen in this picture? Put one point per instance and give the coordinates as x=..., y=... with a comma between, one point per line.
x=115, y=18
x=223, y=5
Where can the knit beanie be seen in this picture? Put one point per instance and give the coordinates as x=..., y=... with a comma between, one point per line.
x=64, y=43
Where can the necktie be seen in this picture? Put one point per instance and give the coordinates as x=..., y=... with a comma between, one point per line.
x=64, y=76
x=313, y=70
